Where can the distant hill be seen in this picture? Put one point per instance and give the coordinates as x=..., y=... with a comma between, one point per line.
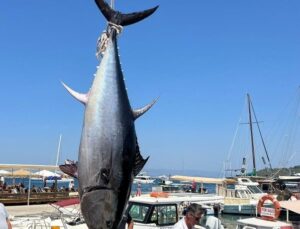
x=279, y=171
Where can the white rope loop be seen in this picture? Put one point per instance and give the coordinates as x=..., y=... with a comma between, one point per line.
x=103, y=39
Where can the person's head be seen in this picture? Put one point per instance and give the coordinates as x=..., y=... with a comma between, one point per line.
x=193, y=214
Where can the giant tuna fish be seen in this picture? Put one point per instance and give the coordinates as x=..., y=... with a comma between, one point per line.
x=109, y=155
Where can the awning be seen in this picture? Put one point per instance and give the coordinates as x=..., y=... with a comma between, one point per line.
x=205, y=180
x=291, y=205
x=3, y=172
x=27, y=166
x=21, y=172
x=46, y=173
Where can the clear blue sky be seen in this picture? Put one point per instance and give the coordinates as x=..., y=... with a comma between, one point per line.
x=200, y=57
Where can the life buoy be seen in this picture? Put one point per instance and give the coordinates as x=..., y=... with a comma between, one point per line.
x=159, y=194
x=275, y=203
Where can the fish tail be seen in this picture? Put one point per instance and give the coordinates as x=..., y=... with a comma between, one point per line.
x=119, y=18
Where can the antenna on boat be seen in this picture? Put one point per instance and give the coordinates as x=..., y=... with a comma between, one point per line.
x=112, y=4
x=58, y=151
x=243, y=169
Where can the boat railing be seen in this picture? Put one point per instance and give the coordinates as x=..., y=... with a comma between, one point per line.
x=226, y=192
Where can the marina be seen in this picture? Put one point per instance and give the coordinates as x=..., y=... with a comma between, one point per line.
x=187, y=65
x=150, y=199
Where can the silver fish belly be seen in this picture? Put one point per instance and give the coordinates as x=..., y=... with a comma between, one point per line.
x=108, y=146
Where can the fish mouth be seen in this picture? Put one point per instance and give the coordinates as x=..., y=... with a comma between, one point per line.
x=95, y=188
x=97, y=210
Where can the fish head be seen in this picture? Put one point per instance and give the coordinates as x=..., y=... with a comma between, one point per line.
x=98, y=211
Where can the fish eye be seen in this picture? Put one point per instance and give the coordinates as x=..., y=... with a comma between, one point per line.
x=108, y=224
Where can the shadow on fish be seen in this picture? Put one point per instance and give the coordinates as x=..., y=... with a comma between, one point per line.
x=109, y=155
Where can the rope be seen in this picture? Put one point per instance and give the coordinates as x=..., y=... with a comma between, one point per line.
x=116, y=27
x=103, y=39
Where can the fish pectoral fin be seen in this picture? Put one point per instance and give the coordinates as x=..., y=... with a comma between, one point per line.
x=139, y=162
x=83, y=98
x=139, y=112
x=69, y=169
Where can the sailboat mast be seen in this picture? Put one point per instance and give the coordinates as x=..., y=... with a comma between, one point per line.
x=251, y=134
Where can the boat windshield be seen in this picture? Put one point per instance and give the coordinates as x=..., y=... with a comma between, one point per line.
x=241, y=194
x=162, y=214
x=138, y=212
x=254, y=189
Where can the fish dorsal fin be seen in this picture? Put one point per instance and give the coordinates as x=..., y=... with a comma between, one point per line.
x=119, y=18
x=83, y=98
x=139, y=161
x=69, y=169
x=139, y=112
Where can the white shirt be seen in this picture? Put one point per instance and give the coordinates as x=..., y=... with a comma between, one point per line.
x=181, y=224
x=3, y=217
x=71, y=185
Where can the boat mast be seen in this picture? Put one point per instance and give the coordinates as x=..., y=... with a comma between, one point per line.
x=251, y=135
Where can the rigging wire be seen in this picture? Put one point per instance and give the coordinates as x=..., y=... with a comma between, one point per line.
x=278, y=133
x=226, y=163
x=261, y=137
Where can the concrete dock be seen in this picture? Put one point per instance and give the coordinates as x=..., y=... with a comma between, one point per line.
x=21, y=210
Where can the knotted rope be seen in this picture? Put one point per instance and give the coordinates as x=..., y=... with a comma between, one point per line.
x=103, y=39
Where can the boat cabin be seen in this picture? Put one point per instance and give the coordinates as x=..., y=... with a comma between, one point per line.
x=159, y=213
x=162, y=210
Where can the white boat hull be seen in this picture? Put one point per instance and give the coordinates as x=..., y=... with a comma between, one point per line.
x=247, y=209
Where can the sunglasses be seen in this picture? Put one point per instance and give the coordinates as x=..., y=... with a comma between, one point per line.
x=196, y=218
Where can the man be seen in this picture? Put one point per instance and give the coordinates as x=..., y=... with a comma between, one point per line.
x=71, y=186
x=4, y=221
x=192, y=216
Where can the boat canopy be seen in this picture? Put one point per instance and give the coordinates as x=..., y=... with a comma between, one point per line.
x=206, y=180
x=291, y=205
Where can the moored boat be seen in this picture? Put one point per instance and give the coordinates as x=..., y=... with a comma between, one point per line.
x=274, y=218
x=143, y=178
x=163, y=210
x=241, y=197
